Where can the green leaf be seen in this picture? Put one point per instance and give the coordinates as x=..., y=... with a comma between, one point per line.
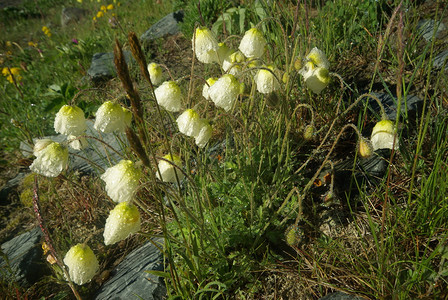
x=159, y=273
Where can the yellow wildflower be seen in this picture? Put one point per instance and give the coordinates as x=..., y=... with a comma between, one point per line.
x=110, y=7
x=103, y=7
x=99, y=14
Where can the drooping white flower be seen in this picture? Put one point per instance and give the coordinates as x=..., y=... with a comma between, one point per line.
x=77, y=143
x=122, y=181
x=112, y=117
x=70, y=120
x=123, y=221
x=232, y=63
x=205, y=45
x=41, y=144
x=225, y=91
x=188, y=123
x=155, y=73
x=316, y=78
x=318, y=58
x=204, y=135
x=82, y=263
x=253, y=43
x=168, y=171
x=207, y=85
x=169, y=96
x=384, y=135
x=266, y=81
x=50, y=160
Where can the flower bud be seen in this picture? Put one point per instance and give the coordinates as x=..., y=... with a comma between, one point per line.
x=225, y=91
x=122, y=181
x=82, y=263
x=155, y=73
x=50, y=160
x=189, y=123
x=365, y=148
x=384, y=135
x=253, y=43
x=169, y=96
x=292, y=235
x=232, y=60
x=123, y=221
x=205, y=45
x=112, y=117
x=308, y=133
x=168, y=171
x=70, y=120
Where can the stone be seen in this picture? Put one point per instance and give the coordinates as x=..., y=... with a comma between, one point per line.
x=71, y=15
x=441, y=60
x=169, y=25
x=426, y=29
x=93, y=158
x=10, y=186
x=24, y=262
x=129, y=279
x=5, y=4
x=102, y=67
x=411, y=107
x=340, y=296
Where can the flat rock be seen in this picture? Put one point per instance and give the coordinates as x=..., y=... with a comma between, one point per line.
x=70, y=15
x=130, y=281
x=24, y=263
x=427, y=27
x=440, y=60
x=340, y=296
x=102, y=67
x=411, y=107
x=168, y=25
x=94, y=155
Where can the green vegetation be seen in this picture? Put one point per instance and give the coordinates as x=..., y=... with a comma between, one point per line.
x=279, y=202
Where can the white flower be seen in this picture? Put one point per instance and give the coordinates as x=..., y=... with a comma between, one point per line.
x=316, y=78
x=168, y=171
x=123, y=221
x=41, y=144
x=225, y=91
x=210, y=82
x=155, y=73
x=233, y=61
x=112, y=117
x=188, y=123
x=122, y=181
x=253, y=43
x=266, y=81
x=384, y=135
x=318, y=58
x=51, y=160
x=204, y=135
x=205, y=45
x=77, y=143
x=70, y=120
x=169, y=96
x=82, y=263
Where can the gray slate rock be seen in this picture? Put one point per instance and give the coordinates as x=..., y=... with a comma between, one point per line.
x=24, y=263
x=71, y=15
x=441, y=60
x=169, y=25
x=130, y=281
x=340, y=296
x=412, y=106
x=95, y=152
x=426, y=29
x=102, y=67
x=9, y=186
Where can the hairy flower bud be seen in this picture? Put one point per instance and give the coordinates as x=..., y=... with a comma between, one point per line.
x=253, y=43
x=169, y=96
x=205, y=45
x=112, y=117
x=82, y=263
x=225, y=91
x=122, y=181
x=70, y=120
x=365, y=148
x=155, y=73
x=168, y=171
x=308, y=133
x=384, y=135
x=50, y=160
x=123, y=221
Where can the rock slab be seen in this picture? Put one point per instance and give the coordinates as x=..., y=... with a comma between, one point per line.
x=24, y=258
x=71, y=15
x=102, y=67
x=411, y=107
x=130, y=281
x=430, y=28
x=169, y=25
